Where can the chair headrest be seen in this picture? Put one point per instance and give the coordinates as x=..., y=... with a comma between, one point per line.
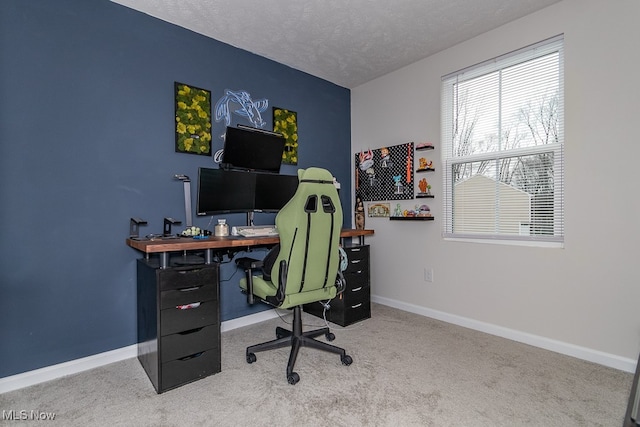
x=315, y=175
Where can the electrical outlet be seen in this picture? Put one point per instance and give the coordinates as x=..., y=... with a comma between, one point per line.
x=428, y=274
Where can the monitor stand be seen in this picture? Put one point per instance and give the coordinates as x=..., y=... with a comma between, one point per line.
x=187, y=197
x=187, y=259
x=250, y=219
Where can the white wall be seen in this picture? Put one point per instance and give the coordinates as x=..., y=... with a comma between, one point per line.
x=585, y=296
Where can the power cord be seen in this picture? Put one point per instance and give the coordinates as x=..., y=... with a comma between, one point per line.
x=326, y=306
x=326, y=323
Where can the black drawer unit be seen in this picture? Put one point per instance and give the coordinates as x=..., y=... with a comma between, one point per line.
x=178, y=323
x=354, y=304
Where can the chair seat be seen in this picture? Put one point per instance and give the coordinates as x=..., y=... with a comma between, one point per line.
x=263, y=289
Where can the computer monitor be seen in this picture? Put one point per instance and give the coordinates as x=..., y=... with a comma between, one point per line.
x=221, y=191
x=253, y=149
x=233, y=191
x=273, y=191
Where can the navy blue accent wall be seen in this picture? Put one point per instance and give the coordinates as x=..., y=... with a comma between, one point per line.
x=87, y=141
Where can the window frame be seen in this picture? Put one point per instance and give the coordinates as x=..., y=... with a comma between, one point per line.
x=450, y=159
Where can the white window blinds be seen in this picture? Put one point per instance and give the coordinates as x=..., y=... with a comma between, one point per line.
x=502, y=137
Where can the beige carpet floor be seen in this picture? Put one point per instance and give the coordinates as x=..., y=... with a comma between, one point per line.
x=408, y=370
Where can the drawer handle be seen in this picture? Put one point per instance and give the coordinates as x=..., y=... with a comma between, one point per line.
x=356, y=289
x=188, y=306
x=193, y=270
x=355, y=249
x=193, y=356
x=190, y=289
x=356, y=306
x=355, y=261
x=191, y=331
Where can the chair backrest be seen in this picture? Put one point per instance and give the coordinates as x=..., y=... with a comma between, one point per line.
x=309, y=227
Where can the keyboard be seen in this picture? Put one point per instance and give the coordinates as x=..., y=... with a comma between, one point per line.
x=257, y=231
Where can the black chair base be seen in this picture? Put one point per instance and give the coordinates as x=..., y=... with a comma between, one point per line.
x=296, y=339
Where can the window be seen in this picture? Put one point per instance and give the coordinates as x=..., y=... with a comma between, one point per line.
x=502, y=137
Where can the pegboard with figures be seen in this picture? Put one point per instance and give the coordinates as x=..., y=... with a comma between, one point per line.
x=385, y=173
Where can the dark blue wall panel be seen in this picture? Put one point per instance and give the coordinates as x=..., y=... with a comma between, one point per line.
x=87, y=141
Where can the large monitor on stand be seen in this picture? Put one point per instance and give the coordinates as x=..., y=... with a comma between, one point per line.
x=221, y=191
x=231, y=191
x=273, y=191
x=252, y=149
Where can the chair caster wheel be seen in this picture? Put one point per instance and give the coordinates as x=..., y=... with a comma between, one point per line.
x=346, y=360
x=330, y=336
x=251, y=358
x=293, y=378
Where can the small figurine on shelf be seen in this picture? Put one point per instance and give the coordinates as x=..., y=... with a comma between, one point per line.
x=425, y=187
x=424, y=164
x=398, y=210
x=423, y=210
x=359, y=214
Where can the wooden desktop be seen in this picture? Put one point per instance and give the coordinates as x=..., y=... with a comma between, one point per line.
x=164, y=246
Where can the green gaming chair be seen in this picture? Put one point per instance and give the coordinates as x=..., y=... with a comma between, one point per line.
x=305, y=268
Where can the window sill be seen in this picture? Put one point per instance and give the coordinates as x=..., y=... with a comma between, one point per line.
x=527, y=243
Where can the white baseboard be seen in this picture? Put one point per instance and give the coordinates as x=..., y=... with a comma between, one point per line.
x=52, y=372
x=251, y=319
x=595, y=356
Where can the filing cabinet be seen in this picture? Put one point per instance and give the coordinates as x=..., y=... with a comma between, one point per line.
x=354, y=304
x=178, y=323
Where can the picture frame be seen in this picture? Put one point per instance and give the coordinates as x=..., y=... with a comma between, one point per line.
x=285, y=122
x=192, y=119
x=379, y=210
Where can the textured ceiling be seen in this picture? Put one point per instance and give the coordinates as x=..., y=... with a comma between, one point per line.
x=347, y=42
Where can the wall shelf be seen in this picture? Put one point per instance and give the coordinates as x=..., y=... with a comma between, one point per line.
x=411, y=218
x=423, y=182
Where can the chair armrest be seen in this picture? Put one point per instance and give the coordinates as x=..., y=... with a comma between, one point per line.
x=249, y=264
x=282, y=285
